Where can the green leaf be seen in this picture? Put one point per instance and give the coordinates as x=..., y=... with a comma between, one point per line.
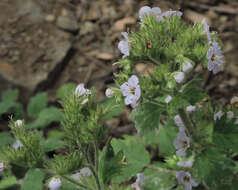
x=33, y=180
x=10, y=96
x=116, y=111
x=65, y=89
x=52, y=144
x=6, y=138
x=147, y=117
x=46, y=116
x=158, y=180
x=109, y=164
x=8, y=182
x=214, y=168
x=37, y=104
x=136, y=157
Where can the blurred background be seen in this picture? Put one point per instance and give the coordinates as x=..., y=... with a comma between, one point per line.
x=47, y=43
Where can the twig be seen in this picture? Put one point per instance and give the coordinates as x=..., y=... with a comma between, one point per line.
x=214, y=8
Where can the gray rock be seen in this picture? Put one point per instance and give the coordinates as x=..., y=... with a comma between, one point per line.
x=67, y=23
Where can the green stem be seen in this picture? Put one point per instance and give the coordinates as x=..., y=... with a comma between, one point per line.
x=96, y=156
x=75, y=182
x=95, y=176
x=154, y=60
x=188, y=124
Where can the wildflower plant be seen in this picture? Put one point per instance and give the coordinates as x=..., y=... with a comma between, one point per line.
x=192, y=141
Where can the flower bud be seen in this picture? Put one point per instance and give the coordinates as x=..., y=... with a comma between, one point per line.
x=179, y=77
x=55, y=183
x=109, y=93
x=187, y=67
x=18, y=123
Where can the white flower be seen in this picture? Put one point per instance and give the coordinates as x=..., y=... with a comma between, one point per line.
x=179, y=77
x=76, y=176
x=187, y=164
x=109, y=93
x=18, y=123
x=1, y=166
x=81, y=91
x=190, y=109
x=168, y=99
x=140, y=181
x=17, y=145
x=55, y=183
x=229, y=114
x=217, y=115
x=131, y=90
x=124, y=45
x=187, y=66
x=181, y=143
x=234, y=100
x=146, y=10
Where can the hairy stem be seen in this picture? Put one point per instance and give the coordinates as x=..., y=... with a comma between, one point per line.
x=187, y=122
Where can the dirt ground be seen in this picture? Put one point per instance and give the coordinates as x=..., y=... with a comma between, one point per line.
x=46, y=43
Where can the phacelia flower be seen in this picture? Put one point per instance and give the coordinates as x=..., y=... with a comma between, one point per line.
x=109, y=92
x=185, y=179
x=217, y=115
x=168, y=99
x=139, y=184
x=1, y=167
x=55, y=183
x=124, y=45
x=81, y=91
x=187, y=66
x=131, y=90
x=146, y=10
x=207, y=30
x=17, y=145
x=234, y=100
x=187, y=164
x=190, y=108
x=179, y=77
x=18, y=123
x=86, y=172
x=168, y=14
x=178, y=121
x=215, y=58
x=181, y=143
x=229, y=114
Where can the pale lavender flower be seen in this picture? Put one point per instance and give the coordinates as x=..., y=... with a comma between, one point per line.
x=17, y=145
x=139, y=184
x=207, y=30
x=217, y=115
x=215, y=58
x=76, y=176
x=169, y=14
x=185, y=179
x=229, y=114
x=18, y=123
x=178, y=121
x=109, y=92
x=187, y=66
x=179, y=77
x=124, y=45
x=190, y=108
x=186, y=164
x=234, y=100
x=146, y=10
x=131, y=90
x=1, y=167
x=81, y=91
x=168, y=99
x=181, y=143
x=55, y=183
